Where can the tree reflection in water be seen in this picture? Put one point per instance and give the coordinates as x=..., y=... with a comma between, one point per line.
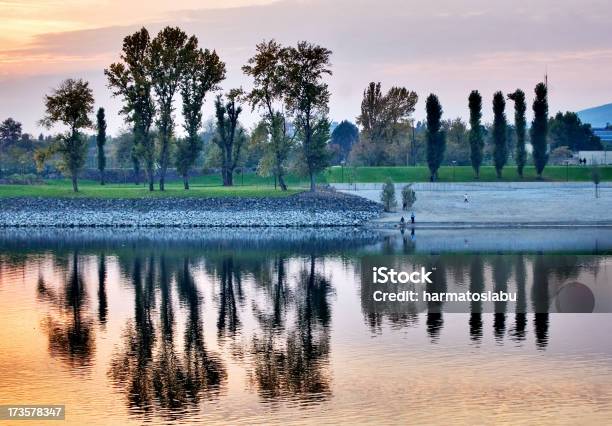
x=477, y=285
x=290, y=361
x=520, y=317
x=501, y=275
x=204, y=372
x=270, y=314
x=508, y=273
x=228, y=322
x=435, y=320
x=130, y=366
x=102, y=299
x=70, y=331
x=155, y=375
x=540, y=300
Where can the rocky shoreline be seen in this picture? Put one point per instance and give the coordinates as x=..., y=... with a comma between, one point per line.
x=321, y=209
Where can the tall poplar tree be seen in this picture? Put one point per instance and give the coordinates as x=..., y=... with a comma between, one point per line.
x=307, y=99
x=539, y=128
x=268, y=95
x=100, y=142
x=168, y=59
x=203, y=72
x=520, y=126
x=230, y=136
x=476, y=131
x=130, y=80
x=436, y=139
x=500, y=125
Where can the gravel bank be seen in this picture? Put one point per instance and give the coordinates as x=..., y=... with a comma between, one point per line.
x=304, y=209
x=521, y=205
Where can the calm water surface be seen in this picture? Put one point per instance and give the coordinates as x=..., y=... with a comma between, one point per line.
x=271, y=326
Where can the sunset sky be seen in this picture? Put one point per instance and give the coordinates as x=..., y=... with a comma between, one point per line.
x=448, y=47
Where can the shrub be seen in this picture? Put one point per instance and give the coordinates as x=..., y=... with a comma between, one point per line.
x=408, y=197
x=596, y=177
x=22, y=179
x=387, y=196
x=560, y=154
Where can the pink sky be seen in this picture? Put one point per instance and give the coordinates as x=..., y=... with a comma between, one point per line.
x=447, y=47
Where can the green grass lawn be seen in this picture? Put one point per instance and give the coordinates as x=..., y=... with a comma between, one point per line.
x=91, y=189
x=252, y=185
x=460, y=174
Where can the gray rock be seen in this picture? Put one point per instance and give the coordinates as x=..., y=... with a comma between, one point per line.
x=304, y=209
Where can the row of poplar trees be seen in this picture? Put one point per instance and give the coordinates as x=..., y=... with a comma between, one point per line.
x=436, y=139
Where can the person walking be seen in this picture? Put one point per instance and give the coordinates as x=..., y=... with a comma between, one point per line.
x=465, y=198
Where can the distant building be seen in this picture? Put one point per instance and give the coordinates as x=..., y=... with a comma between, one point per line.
x=596, y=157
x=605, y=135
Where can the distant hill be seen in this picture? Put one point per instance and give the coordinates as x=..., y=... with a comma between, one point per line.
x=597, y=116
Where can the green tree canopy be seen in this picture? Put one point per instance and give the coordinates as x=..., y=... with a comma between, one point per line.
x=269, y=94
x=69, y=105
x=520, y=127
x=569, y=131
x=476, y=131
x=436, y=139
x=539, y=128
x=100, y=142
x=203, y=72
x=229, y=137
x=307, y=98
x=130, y=80
x=500, y=148
x=10, y=132
x=345, y=135
x=169, y=53
x=457, y=137
x=383, y=118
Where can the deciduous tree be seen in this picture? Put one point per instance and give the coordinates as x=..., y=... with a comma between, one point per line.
x=387, y=195
x=569, y=131
x=169, y=51
x=269, y=95
x=229, y=136
x=69, y=105
x=203, y=73
x=345, y=136
x=307, y=98
x=10, y=134
x=457, y=149
x=130, y=80
x=384, y=117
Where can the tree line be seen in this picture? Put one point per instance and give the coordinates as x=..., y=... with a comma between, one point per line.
x=153, y=75
x=390, y=136
x=289, y=89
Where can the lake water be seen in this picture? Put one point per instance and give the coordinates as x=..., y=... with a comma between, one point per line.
x=263, y=326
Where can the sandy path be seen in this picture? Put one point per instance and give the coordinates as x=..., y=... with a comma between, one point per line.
x=555, y=205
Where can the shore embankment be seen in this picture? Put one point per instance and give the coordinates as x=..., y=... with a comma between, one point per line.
x=497, y=204
x=305, y=209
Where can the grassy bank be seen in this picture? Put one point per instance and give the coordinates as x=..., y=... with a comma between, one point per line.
x=91, y=189
x=252, y=185
x=461, y=174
